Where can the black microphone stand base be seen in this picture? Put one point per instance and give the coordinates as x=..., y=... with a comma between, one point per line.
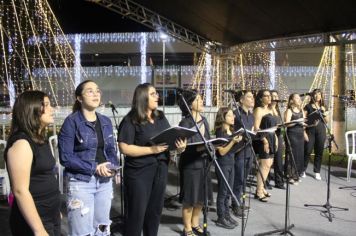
x=283, y=231
x=327, y=210
x=348, y=187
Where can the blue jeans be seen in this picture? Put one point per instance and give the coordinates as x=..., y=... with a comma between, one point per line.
x=88, y=206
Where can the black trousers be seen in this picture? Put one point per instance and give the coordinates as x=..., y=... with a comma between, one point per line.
x=222, y=200
x=317, y=136
x=144, y=198
x=242, y=168
x=49, y=212
x=278, y=162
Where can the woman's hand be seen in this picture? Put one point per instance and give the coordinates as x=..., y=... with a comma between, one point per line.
x=237, y=139
x=265, y=146
x=306, y=138
x=159, y=148
x=181, y=144
x=103, y=170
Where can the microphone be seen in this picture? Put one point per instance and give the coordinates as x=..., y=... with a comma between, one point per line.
x=113, y=108
x=342, y=97
x=279, y=100
x=305, y=94
x=230, y=91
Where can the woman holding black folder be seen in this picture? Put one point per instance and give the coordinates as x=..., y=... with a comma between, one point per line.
x=297, y=136
x=146, y=164
x=316, y=132
x=265, y=117
x=224, y=128
x=192, y=164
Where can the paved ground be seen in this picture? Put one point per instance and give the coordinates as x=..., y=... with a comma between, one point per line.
x=262, y=216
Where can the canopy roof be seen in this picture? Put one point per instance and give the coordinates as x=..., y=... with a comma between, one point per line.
x=228, y=22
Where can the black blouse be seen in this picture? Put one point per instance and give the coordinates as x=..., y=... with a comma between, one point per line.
x=43, y=182
x=140, y=135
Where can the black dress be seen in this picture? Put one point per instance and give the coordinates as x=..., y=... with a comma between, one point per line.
x=191, y=166
x=267, y=121
x=296, y=138
x=43, y=188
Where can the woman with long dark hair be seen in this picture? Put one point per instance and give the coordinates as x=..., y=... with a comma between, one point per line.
x=224, y=127
x=316, y=132
x=278, y=156
x=297, y=136
x=146, y=164
x=267, y=147
x=30, y=163
x=88, y=152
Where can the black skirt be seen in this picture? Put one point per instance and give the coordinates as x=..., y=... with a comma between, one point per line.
x=193, y=187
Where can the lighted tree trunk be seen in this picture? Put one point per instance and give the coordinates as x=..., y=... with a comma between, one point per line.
x=339, y=105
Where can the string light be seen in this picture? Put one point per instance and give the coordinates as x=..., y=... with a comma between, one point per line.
x=143, y=46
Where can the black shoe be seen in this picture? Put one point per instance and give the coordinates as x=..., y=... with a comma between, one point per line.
x=231, y=220
x=237, y=211
x=188, y=233
x=224, y=223
x=268, y=186
x=198, y=231
x=280, y=186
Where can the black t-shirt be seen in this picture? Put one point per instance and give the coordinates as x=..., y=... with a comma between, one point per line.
x=140, y=135
x=248, y=119
x=43, y=183
x=100, y=157
x=228, y=158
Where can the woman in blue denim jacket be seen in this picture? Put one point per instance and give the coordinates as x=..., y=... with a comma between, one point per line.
x=87, y=150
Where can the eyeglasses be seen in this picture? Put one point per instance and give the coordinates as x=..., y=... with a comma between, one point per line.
x=154, y=94
x=91, y=92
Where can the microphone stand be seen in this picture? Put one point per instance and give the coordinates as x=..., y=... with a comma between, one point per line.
x=119, y=218
x=249, y=143
x=287, y=226
x=331, y=140
x=211, y=153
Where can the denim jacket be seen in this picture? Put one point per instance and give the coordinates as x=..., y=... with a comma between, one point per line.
x=77, y=144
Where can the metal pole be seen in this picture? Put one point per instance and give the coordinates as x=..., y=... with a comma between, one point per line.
x=164, y=75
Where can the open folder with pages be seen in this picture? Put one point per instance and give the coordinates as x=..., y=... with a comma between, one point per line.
x=170, y=135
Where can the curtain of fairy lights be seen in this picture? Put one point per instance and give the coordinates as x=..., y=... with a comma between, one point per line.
x=26, y=60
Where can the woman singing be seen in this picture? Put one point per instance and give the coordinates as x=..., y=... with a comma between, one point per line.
x=278, y=160
x=31, y=165
x=146, y=165
x=192, y=164
x=87, y=150
x=224, y=127
x=296, y=135
x=316, y=132
x=266, y=148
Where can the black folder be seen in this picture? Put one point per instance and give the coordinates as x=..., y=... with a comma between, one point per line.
x=170, y=135
x=255, y=134
x=291, y=123
x=215, y=141
x=313, y=117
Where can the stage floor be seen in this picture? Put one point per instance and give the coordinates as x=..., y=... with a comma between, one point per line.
x=263, y=216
